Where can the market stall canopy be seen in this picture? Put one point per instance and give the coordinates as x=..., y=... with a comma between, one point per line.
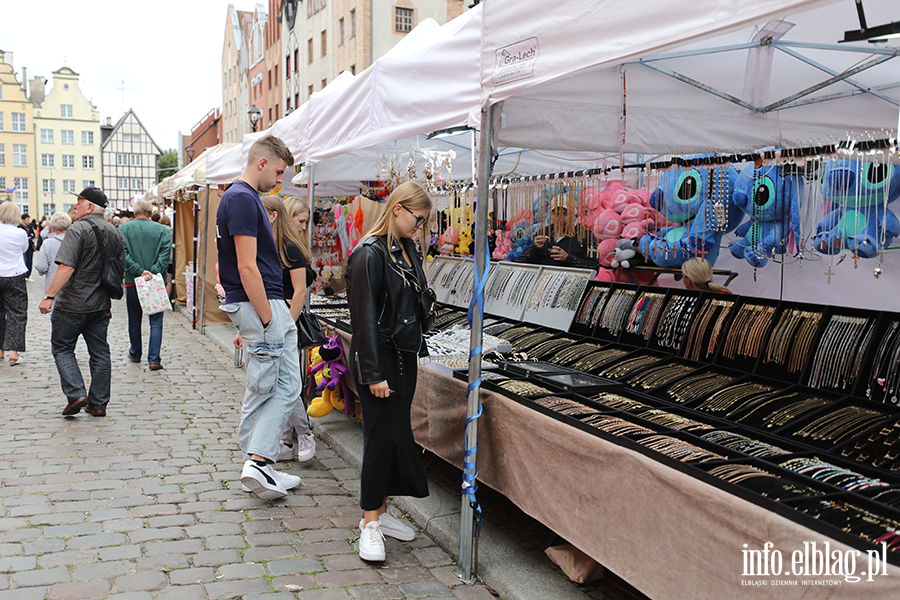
x=193, y=173
x=427, y=82
x=717, y=77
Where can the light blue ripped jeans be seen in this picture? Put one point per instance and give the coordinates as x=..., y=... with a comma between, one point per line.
x=273, y=376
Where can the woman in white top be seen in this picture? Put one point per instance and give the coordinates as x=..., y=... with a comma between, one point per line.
x=13, y=296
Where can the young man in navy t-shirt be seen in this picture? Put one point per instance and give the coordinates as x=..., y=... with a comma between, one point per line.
x=250, y=272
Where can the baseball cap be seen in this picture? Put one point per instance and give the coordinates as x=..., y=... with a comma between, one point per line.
x=94, y=195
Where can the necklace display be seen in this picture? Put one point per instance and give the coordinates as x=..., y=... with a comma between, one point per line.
x=673, y=421
x=593, y=361
x=734, y=398
x=657, y=376
x=833, y=366
x=573, y=353
x=679, y=449
x=840, y=424
x=643, y=315
x=548, y=347
x=619, y=402
x=523, y=388
x=616, y=425
x=879, y=449
x=628, y=366
x=557, y=289
x=592, y=307
x=565, y=406
x=695, y=386
x=675, y=318
x=748, y=330
x=790, y=340
x=781, y=414
x=613, y=317
x=713, y=311
x=743, y=444
x=883, y=378
x=832, y=474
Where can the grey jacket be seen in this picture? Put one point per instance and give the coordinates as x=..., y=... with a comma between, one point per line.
x=45, y=261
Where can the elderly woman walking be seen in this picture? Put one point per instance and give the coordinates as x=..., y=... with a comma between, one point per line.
x=45, y=263
x=13, y=295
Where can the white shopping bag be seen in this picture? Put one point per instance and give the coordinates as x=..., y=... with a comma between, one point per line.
x=152, y=294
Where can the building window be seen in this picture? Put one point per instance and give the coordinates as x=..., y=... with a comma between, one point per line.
x=87, y=162
x=21, y=184
x=403, y=19
x=136, y=185
x=309, y=50
x=20, y=155
x=87, y=138
x=270, y=80
x=3, y=160
x=276, y=75
x=49, y=187
x=87, y=183
x=1, y=117
x=2, y=179
x=270, y=116
x=48, y=161
x=49, y=209
x=46, y=136
x=277, y=116
x=135, y=160
x=353, y=69
x=69, y=186
x=122, y=160
x=18, y=122
x=352, y=23
x=65, y=111
x=67, y=136
x=324, y=43
x=287, y=66
x=341, y=32
x=287, y=106
x=68, y=161
x=324, y=83
x=122, y=183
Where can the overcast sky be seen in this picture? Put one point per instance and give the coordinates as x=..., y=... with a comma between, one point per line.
x=169, y=54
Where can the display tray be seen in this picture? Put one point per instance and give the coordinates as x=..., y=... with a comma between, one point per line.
x=449, y=370
x=643, y=316
x=579, y=383
x=878, y=446
x=630, y=364
x=662, y=374
x=672, y=327
x=343, y=325
x=747, y=392
x=758, y=327
x=830, y=478
x=591, y=306
x=545, y=348
x=784, y=408
x=515, y=395
x=625, y=400
x=615, y=312
x=670, y=452
x=889, y=496
x=786, y=352
x=813, y=429
x=527, y=368
x=685, y=389
x=727, y=441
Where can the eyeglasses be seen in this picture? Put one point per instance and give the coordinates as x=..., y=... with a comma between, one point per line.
x=420, y=220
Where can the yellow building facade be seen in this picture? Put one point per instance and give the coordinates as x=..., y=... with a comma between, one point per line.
x=17, y=162
x=67, y=143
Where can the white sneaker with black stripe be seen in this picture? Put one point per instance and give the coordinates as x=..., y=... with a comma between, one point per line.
x=262, y=481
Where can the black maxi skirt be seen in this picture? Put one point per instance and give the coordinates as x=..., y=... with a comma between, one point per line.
x=392, y=463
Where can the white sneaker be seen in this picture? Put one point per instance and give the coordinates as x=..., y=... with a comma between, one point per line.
x=285, y=452
x=371, y=542
x=306, y=447
x=262, y=481
x=286, y=480
x=393, y=527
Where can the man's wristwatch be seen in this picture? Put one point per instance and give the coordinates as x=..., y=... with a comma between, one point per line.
x=49, y=297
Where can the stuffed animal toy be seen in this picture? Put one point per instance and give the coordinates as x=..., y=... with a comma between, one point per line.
x=608, y=225
x=503, y=246
x=466, y=241
x=626, y=254
x=697, y=222
x=449, y=240
x=332, y=373
x=859, y=193
x=771, y=199
x=520, y=236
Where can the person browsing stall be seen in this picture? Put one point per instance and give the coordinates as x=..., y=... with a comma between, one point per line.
x=564, y=244
x=385, y=281
x=698, y=276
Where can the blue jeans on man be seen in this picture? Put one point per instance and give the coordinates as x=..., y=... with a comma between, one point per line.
x=135, y=318
x=67, y=326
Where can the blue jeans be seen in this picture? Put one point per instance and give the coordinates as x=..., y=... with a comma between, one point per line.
x=63, y=337
x=273, y=376
x=135, y=317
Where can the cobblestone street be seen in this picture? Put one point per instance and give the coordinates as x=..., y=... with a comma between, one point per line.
x=146, y=503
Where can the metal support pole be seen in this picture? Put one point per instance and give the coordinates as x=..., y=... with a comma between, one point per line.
x=194, y=274
x=203, y=261
x=467, y=568
x=310, y=199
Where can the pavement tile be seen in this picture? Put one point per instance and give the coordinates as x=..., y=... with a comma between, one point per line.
x=240, y=571
x=103, y=570
x=343, y=562
x=211, y=558
x=472, y=592
x=381, y=591
x=432, y=557
x=184, y=592
x=41, y=577
x=446, y=575
x=293, y=583
x=425, y=589
x=324, y=594
x=405, y=574
x=86, y=590
x=141, y=581
x=195, y=575
x=17, y=563
x=302, y=523
x=235, y=589
x=294, y=566
x=166, y=533
x=345, y=578
x=119, y=552
x=44, y=546
x=267, y=553
x=162, y=562
x=272, y=596
x=36, y=593
x=69, y=557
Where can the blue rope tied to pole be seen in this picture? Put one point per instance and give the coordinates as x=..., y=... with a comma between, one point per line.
x=470, y=471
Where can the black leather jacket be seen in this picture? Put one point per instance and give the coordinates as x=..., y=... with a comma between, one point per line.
x=384, y=308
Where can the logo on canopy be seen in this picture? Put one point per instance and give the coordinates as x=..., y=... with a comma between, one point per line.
x=516, y=61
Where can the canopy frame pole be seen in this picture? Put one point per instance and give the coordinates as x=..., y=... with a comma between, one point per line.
x=203, y=262
x=196, y=205
x=467, y=566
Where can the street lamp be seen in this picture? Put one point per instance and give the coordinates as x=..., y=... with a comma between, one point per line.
x=255, y=116
x=190, y=152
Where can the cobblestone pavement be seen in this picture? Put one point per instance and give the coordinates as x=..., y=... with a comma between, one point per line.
x=146, y=504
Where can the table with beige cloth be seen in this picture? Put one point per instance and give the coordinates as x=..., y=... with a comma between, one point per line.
x=668, y=534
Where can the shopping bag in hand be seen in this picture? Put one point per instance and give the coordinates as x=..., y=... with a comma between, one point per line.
x=152, y=294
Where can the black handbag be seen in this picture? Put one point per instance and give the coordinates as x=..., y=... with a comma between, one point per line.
x=112, y=273
x=309, y=330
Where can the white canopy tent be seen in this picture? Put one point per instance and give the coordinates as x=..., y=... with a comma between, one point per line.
x=193, y=173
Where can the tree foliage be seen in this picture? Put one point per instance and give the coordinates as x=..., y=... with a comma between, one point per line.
x=168, y=164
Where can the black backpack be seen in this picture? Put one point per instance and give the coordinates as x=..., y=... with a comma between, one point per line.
x=112, y=273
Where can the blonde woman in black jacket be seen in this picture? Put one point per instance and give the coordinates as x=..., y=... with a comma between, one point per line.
x=385, y=281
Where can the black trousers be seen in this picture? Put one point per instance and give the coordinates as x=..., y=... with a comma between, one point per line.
x=392, y=463
x=13, y=313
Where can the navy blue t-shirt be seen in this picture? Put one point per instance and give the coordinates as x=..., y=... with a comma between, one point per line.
x=241, y=213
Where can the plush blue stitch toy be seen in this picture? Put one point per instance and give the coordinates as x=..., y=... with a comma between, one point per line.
x=859, y=193
x=771, y=199
x=699, y=201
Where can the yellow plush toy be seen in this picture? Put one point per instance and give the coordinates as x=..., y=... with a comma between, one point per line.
x=327, y=372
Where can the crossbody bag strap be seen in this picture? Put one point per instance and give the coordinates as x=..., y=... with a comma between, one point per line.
x=100, y=246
